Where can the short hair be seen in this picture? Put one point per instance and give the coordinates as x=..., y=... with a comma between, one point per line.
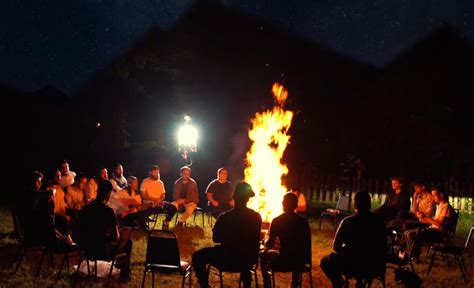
x=154, y=167
x=220, y=170
x=35, y=175
x=131, y=178
x=290, y=202
x=418, y=182
x=103, y=190
x=63, y=162
x=184, y=168
x=396, y=178
x=362, y=201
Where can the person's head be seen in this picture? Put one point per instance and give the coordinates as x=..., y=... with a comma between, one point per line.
x=290, y=202
x=133, y=182
x=104, y=190
x=81, y=181
x=185, y=173
x=36, y=179
x=296, y=191
x=419, y=187
x=56, y=176
x=103, y=174
x=155, y=172
x=118, y=170
x=396, y=183
x=438, y=195
x=64, y=168
x=242, y=193
x=222, y=174
x=362, y=201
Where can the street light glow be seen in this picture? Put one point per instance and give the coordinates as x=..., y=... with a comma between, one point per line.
x=187, y=137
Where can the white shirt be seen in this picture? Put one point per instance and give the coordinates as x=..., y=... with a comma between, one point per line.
x=67, y=180
x=152, y=189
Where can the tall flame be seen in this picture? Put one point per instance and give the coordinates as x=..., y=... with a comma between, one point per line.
x=264, y=169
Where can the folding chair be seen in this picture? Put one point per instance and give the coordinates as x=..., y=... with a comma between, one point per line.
x=219, y=270
x=456, y=251
x=162, y=255
x=342, y=210
x=307, y=268
x=195, y=212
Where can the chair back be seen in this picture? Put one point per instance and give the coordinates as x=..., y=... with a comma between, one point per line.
x=468, y=240
x=451, y=222
x=344, y=203
x=162, y=249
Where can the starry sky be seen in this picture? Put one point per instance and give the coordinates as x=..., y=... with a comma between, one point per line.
x=65, y=43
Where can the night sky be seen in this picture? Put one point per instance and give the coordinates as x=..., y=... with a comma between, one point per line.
x=65, y=43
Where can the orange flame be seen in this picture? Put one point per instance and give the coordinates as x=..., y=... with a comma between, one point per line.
x=264, y=169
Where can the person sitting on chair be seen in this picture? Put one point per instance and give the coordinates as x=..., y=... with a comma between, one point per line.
x=238, y=232
x=185, y=194
x=294, y=236
x=397, y=203
x=359, y=245
x=153, y=191
x=219, y=194
x=435, y=225
x=99, y=230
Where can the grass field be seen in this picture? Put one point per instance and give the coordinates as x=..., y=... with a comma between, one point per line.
x=195, y=237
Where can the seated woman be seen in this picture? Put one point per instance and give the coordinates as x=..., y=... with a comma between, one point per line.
x=127, y=204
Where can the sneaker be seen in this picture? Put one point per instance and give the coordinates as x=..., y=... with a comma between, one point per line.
x=166, y=225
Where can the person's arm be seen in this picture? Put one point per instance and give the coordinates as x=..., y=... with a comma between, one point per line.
x=307, y=242
x=194, y=197
x=219, y=230
x=340, y=238
x=210, y=196
x=273, y=233
x=437, y=222
x=177, y=190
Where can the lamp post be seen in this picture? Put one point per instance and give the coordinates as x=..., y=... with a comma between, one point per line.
x=187, y=140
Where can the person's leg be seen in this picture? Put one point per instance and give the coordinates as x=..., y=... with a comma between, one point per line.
x=124, y=245
x=201, y=258
x=266, y=259
x=295, y=277
x=332, y=268
x=189, y=209
x=170, y=210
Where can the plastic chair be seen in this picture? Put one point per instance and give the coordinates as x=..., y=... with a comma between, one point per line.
x=342, y=210
x=162, y=255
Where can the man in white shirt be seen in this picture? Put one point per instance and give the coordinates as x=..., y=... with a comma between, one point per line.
x=118, y=181
x=152, y=190
x=67, y=176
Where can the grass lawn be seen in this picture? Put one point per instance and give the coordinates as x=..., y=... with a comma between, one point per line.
x=195, y=237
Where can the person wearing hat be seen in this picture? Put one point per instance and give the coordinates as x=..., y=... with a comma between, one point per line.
x=294, y=236
x=238, y=233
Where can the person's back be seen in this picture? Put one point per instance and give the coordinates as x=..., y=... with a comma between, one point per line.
x=362, y=236
x=359, y=245
x=295, y=238
x=238, y=231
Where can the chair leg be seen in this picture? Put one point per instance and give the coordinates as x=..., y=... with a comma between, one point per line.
x=110, y=272
x=144, y=277
x=40, y=263
x=77, y=271
x=273, y=279
x=458, y=257
x=183, y=280
x=190, y=276
x=431, y=263
x=320, y=219
x=311, y=279
x=220, y=278
x=62, y=265
x=19, y=257
x=152, y=278
x=202, y=214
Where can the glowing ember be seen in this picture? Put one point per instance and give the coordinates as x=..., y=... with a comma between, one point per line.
x=264, y=168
